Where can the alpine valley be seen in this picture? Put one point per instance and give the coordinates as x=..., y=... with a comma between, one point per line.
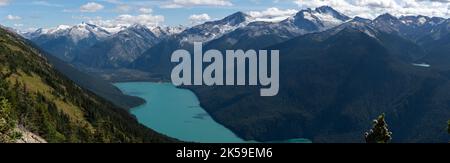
x=39, y=104
x=337, y=73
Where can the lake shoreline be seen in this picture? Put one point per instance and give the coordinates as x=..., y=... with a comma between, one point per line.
x=200, y=115
x=245, y=140
x=185, y=88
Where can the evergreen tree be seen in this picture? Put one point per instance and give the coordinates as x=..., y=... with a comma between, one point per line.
x=448, y=128
x=7, y=123
x=380, y=132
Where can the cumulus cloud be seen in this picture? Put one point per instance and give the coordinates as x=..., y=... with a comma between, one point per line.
x=113, y=1
x=91, y=7
x=4, y=2
x=13, y=17
x=272, y=14
x=145, y=10
x=198, y=19
x=373, y=8
x=127, y=20
x=123, y=8
x=46, y=3
x=191, y=3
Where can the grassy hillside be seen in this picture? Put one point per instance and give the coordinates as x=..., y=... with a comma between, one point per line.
x=36, y=97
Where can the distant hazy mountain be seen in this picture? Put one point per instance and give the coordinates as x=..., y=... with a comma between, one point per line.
x=262, y=34
x=320, y=19
x=411, y=27
x=432, y=34
x=65, y=42
x=399, y=46
x=239, y=30
x=214, y=29
x=120, y=49
x=437, y=44
x=93, y=46
x=156, y=59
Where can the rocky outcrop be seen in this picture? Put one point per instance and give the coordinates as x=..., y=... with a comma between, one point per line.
x=29, y=137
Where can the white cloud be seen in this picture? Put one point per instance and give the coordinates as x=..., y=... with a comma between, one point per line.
x=46, y=3
x=30, y=29
x=191, y=3
x=272, y=14
x=127, y=20
x=145, y=10
x=91, y=7
x=198, y=19
x=123, y=8
x=13, y=17
x=373, y=8
x=113, y=1
x=4, y=2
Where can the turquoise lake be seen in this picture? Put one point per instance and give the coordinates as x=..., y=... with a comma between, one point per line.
x=177, y=113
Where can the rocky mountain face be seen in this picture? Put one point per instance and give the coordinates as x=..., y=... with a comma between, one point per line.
x=262, y=34
x=120, y=49
x=29, y=137
x=66, y=42
x=238, y=31
x=431, y=34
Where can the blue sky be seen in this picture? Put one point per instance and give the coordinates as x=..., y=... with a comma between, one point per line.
x=28, y=14
x=24, y=14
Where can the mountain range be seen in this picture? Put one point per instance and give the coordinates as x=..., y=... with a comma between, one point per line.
x=337, y=72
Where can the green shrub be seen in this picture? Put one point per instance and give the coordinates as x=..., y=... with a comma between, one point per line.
x=380, y=132
x=7, y=123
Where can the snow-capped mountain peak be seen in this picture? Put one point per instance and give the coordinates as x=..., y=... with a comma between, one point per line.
x=115, y=29
x=414, y=20
x=360, y=19
x=46, y=31
x=305, y=21
x=356, y=24
x=215, y=29
x=419, y=21
x=327, y=10
x=62, y=27
x=388, y=23
x=76, y=33
x=84, y=31
x=319, y=19
x=235, y=19
x=139, y=26
x=167, y=31
x=362, y=25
